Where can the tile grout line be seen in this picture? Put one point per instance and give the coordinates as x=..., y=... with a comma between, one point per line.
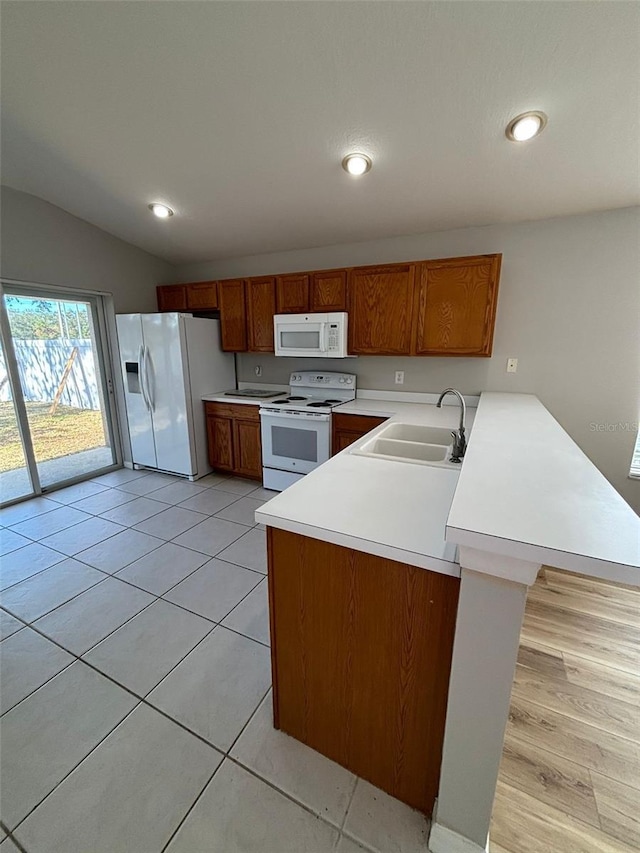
x=126, y=527
x=191, y=808
x=141, y=700
x=225, y=756
x=130, y=583
x=346, y=814
x=75, y=655
x=75, y=766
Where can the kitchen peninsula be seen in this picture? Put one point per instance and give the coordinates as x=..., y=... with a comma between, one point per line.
x=397, y=592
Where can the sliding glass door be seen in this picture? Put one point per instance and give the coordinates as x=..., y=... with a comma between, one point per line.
x=15, y=476
x=60, y=384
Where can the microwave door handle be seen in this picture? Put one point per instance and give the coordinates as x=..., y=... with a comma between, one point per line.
x=324, y=343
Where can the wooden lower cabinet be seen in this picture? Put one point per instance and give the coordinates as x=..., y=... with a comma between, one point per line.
x=247, y=448
x=220, y=442
x=345, y=429
x=233, y=434
x=361, y=654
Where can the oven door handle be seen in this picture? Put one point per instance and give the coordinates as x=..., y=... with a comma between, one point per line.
x=290, y=416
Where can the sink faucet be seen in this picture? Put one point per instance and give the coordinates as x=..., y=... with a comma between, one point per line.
x=459, y=440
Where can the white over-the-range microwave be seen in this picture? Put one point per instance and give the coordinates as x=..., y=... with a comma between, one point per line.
x=311, y=335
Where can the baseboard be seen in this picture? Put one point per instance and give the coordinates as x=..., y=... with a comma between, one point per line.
x=444, y=840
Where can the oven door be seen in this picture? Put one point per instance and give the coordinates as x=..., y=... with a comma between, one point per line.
x=294, y=442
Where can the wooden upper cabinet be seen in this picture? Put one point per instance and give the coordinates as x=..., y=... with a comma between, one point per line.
x=380, y=303
x=233, y=315
x=455, y=306
x=328, y=290
x=292, y=294
x=261, y=306
x=172, y=297
x=202, y=296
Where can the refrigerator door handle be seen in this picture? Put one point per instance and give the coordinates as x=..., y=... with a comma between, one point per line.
x=149, y=382
x=141, y=367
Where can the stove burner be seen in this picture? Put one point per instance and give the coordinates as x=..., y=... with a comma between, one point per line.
x=317, y=405
x=294, y=399
x=278, y=402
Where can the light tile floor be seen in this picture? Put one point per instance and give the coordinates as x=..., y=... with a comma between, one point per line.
x=136, y=702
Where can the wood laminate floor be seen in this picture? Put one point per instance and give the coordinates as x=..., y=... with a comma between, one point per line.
x=570, y=773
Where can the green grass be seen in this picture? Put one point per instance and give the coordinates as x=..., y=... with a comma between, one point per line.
x=68, y=431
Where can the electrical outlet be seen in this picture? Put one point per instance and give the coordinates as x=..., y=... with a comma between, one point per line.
x=512, y=365
x=399, y=377
x=258, y=370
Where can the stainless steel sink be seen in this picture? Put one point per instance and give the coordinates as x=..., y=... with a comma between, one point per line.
x=413, y=443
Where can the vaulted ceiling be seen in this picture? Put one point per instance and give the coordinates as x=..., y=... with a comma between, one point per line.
x=237, y=114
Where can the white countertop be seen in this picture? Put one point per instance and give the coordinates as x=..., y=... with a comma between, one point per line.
x=527, y=491
x=393, y=509
x=524, y=491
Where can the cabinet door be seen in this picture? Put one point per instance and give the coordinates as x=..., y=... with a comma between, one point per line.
x=172, y=297
x=233, y=315
x=380, y=309
x=346, y=429
x=329, y=290
x=247, y=449
x=456, y=306
x=292, y=294
x=261, y=306
x=202, y=296
x=220, y=442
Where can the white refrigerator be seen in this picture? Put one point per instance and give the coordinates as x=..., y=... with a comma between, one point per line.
x=168, y=362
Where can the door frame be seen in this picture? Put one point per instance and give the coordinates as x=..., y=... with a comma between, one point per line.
x=102, y=302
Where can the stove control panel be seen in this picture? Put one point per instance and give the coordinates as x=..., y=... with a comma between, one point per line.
x=323, y=380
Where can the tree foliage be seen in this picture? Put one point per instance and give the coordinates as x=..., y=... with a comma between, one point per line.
x=39, y=319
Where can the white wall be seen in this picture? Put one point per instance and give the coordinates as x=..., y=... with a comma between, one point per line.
x=568, y=309
x=44, y=244
x=41, y=243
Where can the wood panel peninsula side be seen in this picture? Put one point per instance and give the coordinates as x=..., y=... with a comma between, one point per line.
x=361, y=653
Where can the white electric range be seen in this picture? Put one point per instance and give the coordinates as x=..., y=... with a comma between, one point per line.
x=296, y=430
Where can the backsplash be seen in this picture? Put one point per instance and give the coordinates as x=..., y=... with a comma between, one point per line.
x=468, y=375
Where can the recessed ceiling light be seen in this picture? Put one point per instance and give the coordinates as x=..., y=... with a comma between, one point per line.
x=526, y=126
x=161, y=210
x=356, y=164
